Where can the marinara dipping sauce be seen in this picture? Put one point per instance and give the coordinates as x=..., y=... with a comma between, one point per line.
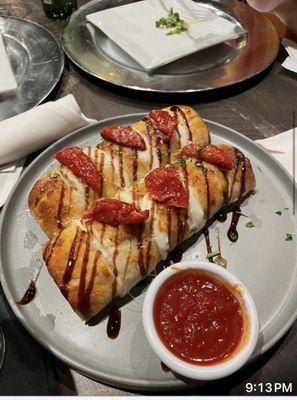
x=198, y=317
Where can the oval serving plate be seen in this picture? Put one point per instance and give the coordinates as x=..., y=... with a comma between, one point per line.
x=34, y=54
x=261, y=258
x=212, y=68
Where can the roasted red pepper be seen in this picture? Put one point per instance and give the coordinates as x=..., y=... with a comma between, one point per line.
x=81, y=165
x=165, y=122
x=210, y=153
x=125, y=136
x=114, y=212
x=165, y=186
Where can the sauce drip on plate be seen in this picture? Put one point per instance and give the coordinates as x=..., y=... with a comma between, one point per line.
x=173, y=257
x=164, y=367
x=208, y=244
x=232, y=232
x=29, y=294
x=198, y=317
x=221, y=216
x=114, y=323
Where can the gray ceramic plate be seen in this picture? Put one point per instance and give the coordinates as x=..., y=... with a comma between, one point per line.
x=261, y=258
x=37, y=61
x=215, y=67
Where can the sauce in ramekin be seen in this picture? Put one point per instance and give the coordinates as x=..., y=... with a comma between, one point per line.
x=198, y=317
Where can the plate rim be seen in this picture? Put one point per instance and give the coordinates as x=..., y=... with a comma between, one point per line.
x=122, y=382
x=61, y=53
x=160, y=90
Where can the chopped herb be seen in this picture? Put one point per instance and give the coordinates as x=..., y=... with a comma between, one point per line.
x=243, y=215
x=179, y=29
x=289, y=236
x=259, y=169
x=250, y=224
x=214, y=254
x=199, y=164
x=173, y=20
x=221, y=261
x=278, y=212
x=286, y=208
x=199, y=151
x=239, y=156
x=181, y=162
x=233, y=236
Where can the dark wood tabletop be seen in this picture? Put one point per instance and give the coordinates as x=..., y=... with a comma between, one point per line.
x=259, y=108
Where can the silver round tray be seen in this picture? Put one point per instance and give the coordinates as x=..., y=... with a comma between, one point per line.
x=261, y=258
x=37, y=61
x=216, y=67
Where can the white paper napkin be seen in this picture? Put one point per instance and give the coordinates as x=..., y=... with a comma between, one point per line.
x=8, y=168
x=7, y=79
x=290, y=62
x=281, y=147
x=9, y=179
x=36, y=128
x=32, y=130
x=133, y=28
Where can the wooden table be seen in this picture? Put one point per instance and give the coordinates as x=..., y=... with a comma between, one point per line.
x=259, y=108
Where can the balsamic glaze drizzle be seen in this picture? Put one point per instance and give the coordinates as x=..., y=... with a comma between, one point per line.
x=114, y=323
x=173, y=257
x=164, y=367
x=232, y=232
x=208, y=244
x=72, y=257
x=84, y=294
x=29, y=294
x=221, y=216
x=60, y=207
x=120, y=155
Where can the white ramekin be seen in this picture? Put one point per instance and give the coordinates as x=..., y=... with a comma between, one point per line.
x=193, y=371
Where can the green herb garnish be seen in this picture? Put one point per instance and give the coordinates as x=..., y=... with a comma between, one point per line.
x=278, y=212
x=259, y=169
x=239, y=156
x=289, y=237
x=286, y=208
x=200, y=165
x=173, y=20
x=250, y=224
x=240, y=213
x=181, y=162
x=214, y=254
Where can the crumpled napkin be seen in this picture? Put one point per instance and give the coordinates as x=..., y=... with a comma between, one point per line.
x=31, y=131
x=8, y=177
x=282, y=147
x=37, y=128
x=7, y=79
x=290, y=62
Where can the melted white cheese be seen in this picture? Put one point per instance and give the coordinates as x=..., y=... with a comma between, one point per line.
x=196, y=219
x=125, y=195
x=144, y=155
x=161, y=238
x=78, y=193
x=184, y=134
